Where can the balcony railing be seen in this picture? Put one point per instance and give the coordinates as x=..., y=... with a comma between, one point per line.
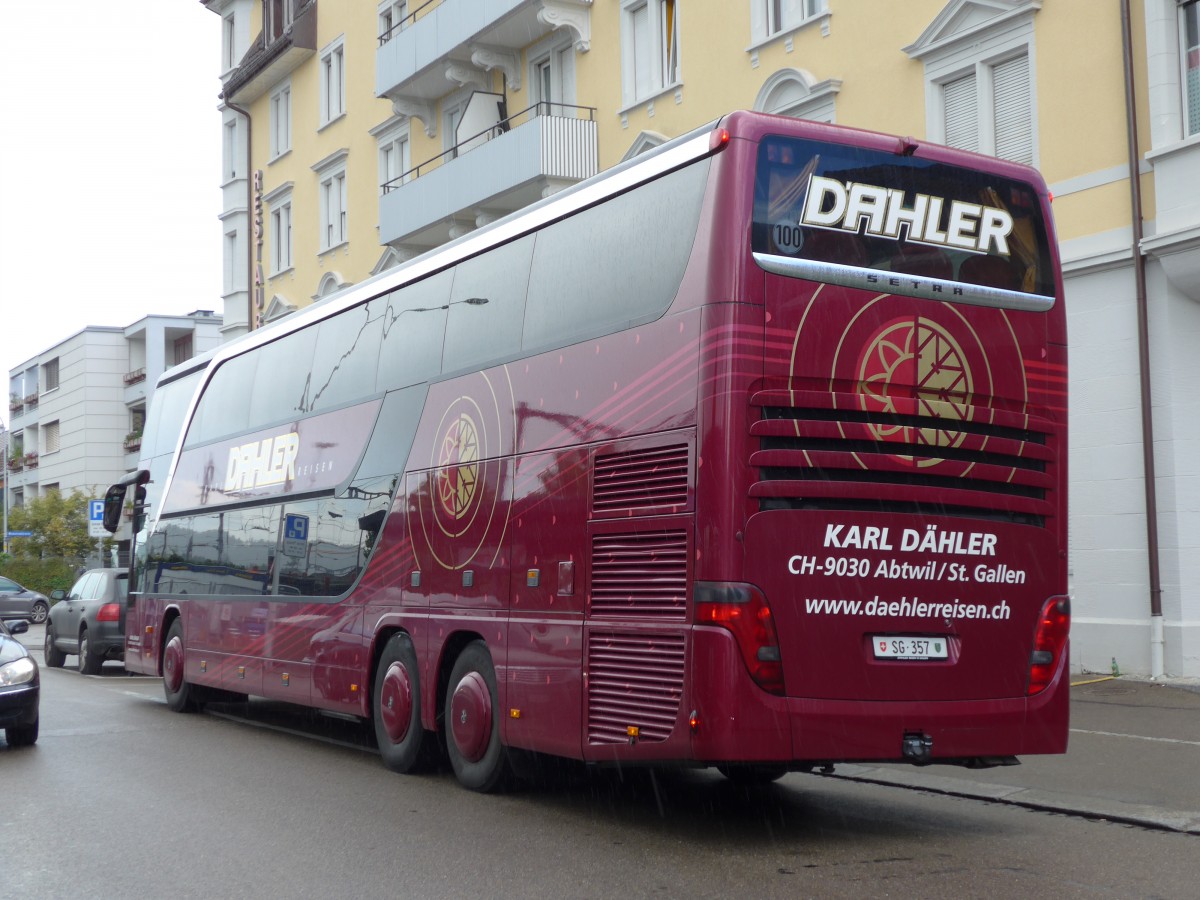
x=15, y=403
x=494, y=131
x=133, y=442
x=16, y=464
x=135, y=376
x=398, y=27
x=31, y=400
x=31, y=460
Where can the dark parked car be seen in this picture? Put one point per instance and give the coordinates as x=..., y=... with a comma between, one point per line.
x=20, y=686
x=89, y=620
x=17, y=602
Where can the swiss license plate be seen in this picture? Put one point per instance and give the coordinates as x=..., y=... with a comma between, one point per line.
x=897, y=647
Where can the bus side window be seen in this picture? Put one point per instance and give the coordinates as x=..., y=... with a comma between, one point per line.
x=479, y=334
x=413, y=327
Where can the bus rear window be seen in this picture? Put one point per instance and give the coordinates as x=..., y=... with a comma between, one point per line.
x=864, y=218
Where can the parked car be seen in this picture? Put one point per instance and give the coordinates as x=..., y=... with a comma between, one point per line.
x=20, y=686
x=88, y=620
x=17, y=602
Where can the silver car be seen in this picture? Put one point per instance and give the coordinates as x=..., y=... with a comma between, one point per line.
x=17, y=602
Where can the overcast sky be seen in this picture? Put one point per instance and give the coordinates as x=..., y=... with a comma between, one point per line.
x=110, y=150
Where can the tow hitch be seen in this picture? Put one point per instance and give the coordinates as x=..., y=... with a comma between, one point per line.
x=917, y=749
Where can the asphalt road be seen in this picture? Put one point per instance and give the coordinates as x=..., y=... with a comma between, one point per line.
x=122, y=797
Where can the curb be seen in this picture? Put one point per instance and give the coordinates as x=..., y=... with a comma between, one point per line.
x=1184, y=822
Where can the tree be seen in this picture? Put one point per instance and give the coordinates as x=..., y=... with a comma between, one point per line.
x=59, y=525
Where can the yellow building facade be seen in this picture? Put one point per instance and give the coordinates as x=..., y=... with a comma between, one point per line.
x=358, y=134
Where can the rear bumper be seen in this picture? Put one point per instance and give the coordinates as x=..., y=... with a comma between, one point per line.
x=739, y=722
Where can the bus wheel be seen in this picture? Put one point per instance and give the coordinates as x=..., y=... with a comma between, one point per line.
x=181, y=696
x=396, y=708
x=748, y=776
x=473, y=721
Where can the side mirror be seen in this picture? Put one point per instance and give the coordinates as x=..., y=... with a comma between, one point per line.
x=58, y=595
x=17, y=626
x=114, y=500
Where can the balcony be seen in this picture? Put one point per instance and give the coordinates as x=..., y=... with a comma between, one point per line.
x=135, y=376
x=16, y=462
x=31, y=460
x=31, y=400
x=15, y=404
x=425, y=56
x=133, y=441
x=514, y=163
x=274, y=53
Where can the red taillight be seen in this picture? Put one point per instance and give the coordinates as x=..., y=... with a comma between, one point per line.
x=743, y=610
x=720, y=137
x=109, y=612
x=1049, y=642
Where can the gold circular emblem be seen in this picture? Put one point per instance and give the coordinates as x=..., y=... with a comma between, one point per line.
x=921, y=358
x=458, y=466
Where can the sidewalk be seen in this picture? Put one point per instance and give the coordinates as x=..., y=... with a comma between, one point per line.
x=1134, y=757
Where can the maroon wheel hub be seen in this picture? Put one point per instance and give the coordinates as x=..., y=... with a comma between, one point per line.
x=173, y=665
x=396, y=702
x=471, y=717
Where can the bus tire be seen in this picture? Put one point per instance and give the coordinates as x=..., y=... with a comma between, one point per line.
x=404, y=744
x=50, y=653
x=751, y=775
x=89, y=662
x=472, y=721
x=181, y=696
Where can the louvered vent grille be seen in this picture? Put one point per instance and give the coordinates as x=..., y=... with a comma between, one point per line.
x=639, y=575
x=642, y=480
x=824, y=451
x=634, y=681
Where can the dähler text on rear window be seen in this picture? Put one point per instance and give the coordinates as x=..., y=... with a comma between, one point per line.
x=898, y=224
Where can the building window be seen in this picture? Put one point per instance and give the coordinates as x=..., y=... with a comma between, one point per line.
x=50, y=376
x=772, y=17
x=333, y=81
x=395, y=157
x=281, y=120
x=649, y=48
x=331, y=175
x=277, y=17
x=1191, y=64
x=989, y=110
x=230, y=260
x=552, y=77
x=228, y=43
x=979, y=81
x=50, y=437
x=281, y=235
x=229, y=150
x=183, y=349
x=392, y=15
x=793, y=92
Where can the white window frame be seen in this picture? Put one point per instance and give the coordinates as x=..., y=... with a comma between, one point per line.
x=280, y=125
x=648, y=67
x=392, y=14
x=282, y=234
x=977, y=50
x=51, y=366
x=332, y=191
x=394, y=150
x=1190, y=94
x=772, y=20
x=556, y=57
x=229, y=54
x=230, y=149
x=332, y=74
x=51, y=437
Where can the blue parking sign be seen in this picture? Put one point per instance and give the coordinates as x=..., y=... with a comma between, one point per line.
x=295, y=527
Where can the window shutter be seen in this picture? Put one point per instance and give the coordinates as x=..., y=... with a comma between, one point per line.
x=962, y=129
x=50, y=438
x=1014, y=120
